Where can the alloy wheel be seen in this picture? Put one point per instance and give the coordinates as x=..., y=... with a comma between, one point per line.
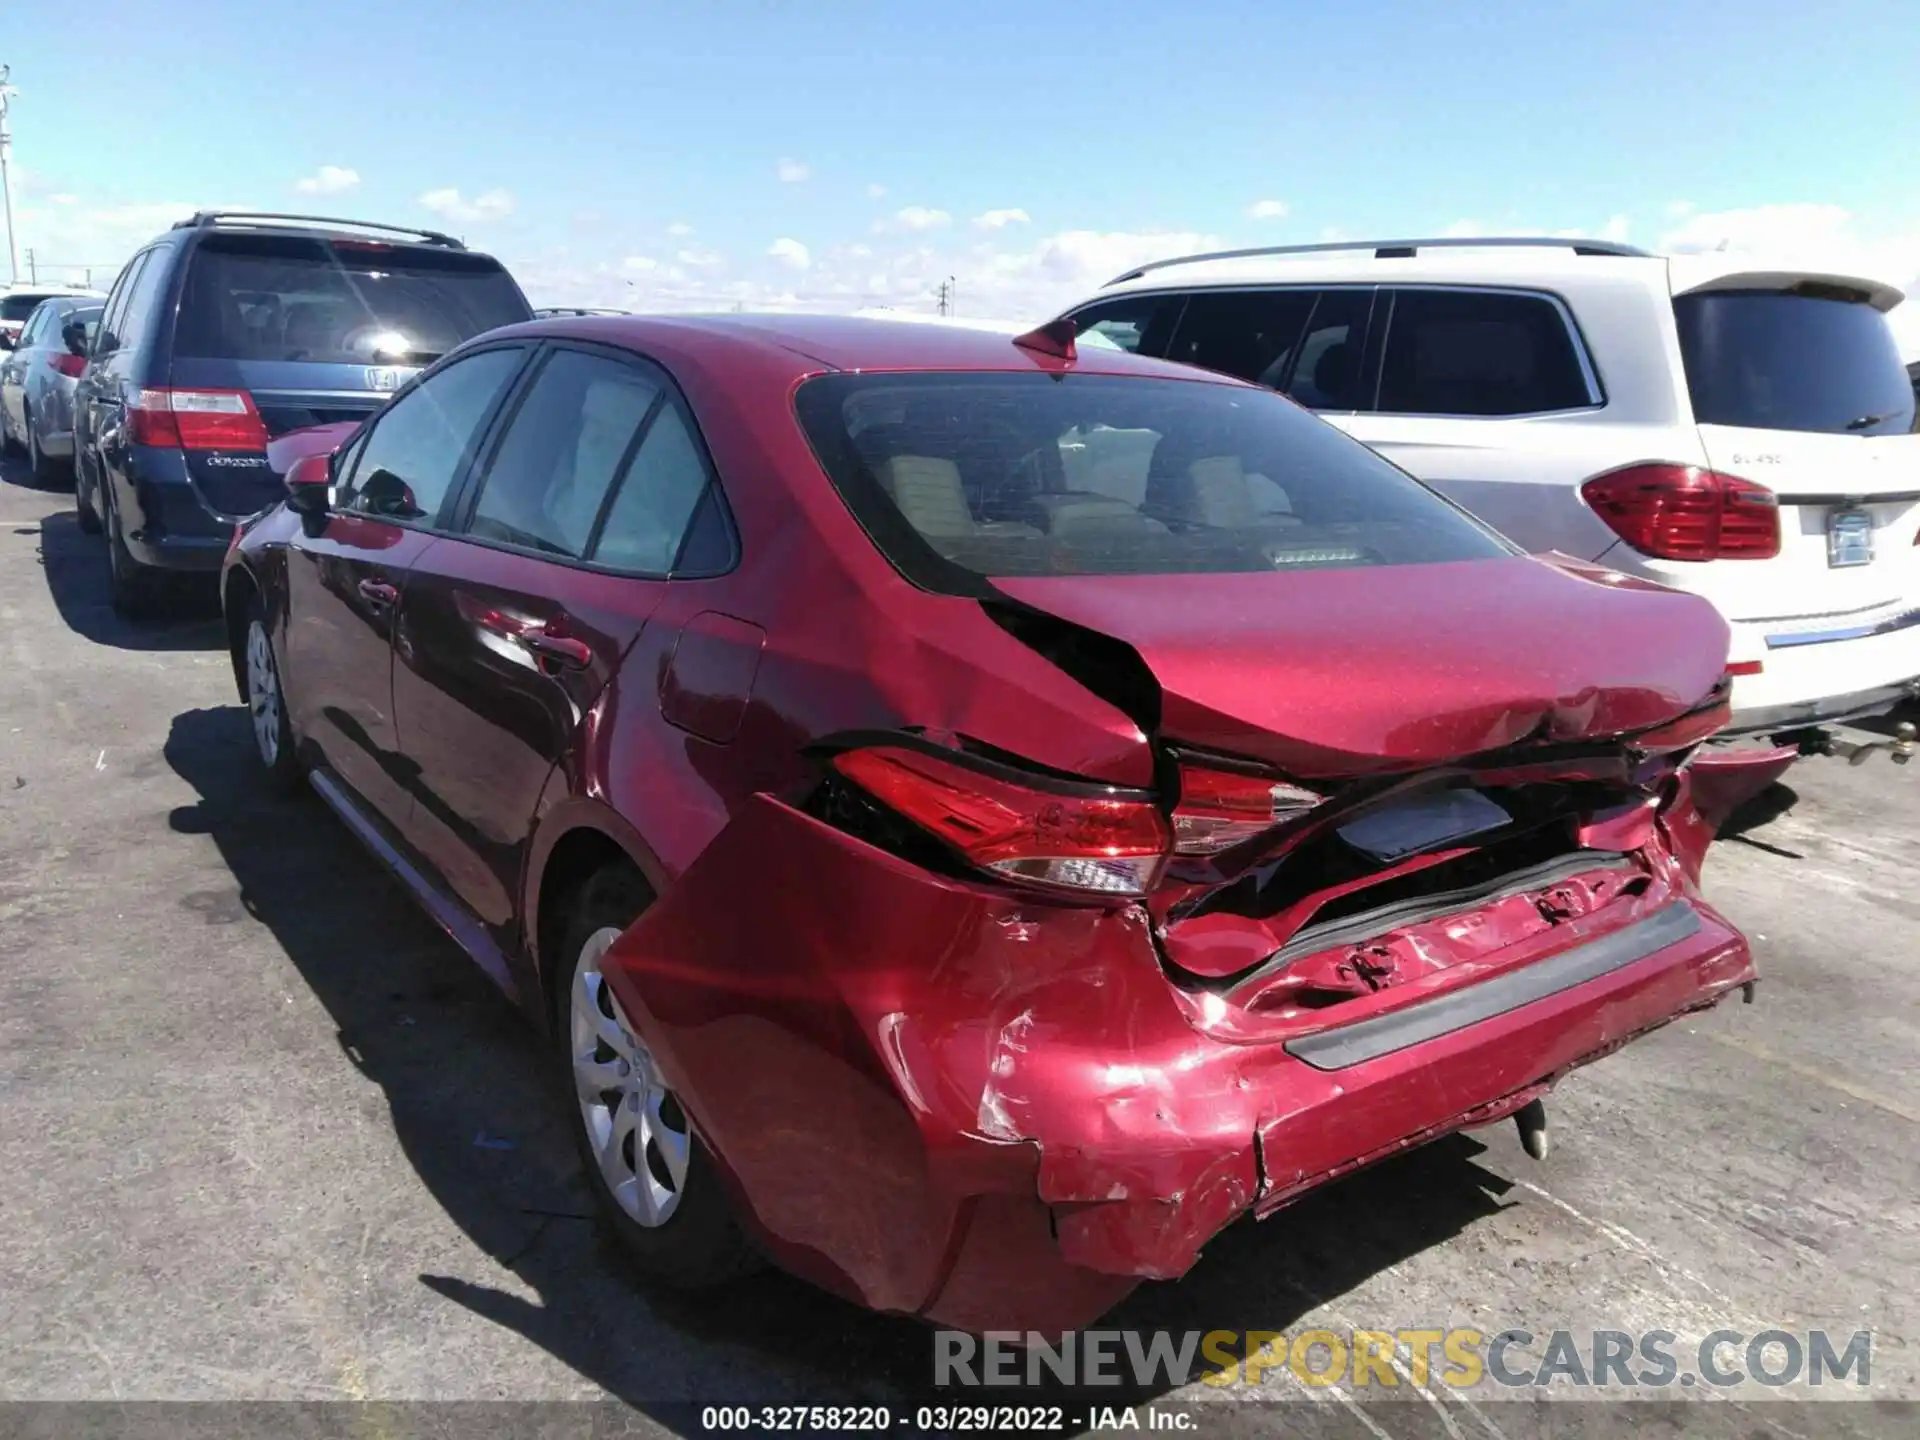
x=263, y=693
x=636, y=1128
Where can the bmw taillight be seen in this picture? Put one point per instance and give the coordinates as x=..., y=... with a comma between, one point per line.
x=1684, y=512
x=196, y=420
x=1096, y=840
x=1219, y=809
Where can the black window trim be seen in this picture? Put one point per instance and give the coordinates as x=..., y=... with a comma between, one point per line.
x=459, y=518
x=1583, y=352
x=438, y=522
x=1173, y=328
x=120, y=298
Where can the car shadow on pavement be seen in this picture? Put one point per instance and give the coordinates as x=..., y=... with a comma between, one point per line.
x=476, y=1106
x=188, y=617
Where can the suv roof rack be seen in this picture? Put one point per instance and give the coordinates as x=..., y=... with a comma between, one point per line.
x=267, y=219
x=1399, y=249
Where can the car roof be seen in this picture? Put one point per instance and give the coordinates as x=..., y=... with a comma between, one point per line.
x=1488, y=261
x=808, y=344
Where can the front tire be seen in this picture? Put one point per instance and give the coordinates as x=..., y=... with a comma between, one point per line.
x=655, y=1184
x=273, y=743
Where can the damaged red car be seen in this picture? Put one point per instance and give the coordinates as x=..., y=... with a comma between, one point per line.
x=977, y=819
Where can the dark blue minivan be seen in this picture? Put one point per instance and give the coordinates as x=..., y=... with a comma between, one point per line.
x=233, y=328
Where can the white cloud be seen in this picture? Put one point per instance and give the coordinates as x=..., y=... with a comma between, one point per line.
x=63, y=199
x=792, y=172
x=920, y=217
x=1268, y=210
x=1000, y=219
x=876, y=192
x=679, y=229
x=451, y=205
x=639, y=264
x=790, y=253
x=328, y=180
x=701, y=259
x=1464, y=229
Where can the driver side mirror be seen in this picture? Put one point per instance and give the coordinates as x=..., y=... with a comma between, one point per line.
x=310, y=485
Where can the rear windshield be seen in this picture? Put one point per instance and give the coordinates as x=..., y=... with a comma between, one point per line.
x=959, y=476
x=18, y=306
x=294, y=298
x=1769, y=360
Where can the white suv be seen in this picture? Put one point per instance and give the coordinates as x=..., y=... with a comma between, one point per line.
x=1743, y=433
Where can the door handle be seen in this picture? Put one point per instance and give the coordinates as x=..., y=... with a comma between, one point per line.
x=561, y=649
x=378, y=593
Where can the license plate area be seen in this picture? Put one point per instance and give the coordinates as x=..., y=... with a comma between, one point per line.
x=1422, y=822
x=1849, y=539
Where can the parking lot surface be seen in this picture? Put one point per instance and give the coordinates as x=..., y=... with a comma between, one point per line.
x=267, y=1135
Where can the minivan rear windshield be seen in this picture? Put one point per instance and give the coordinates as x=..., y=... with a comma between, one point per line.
x=1772, y=360
x=958, y=476
x=269, y=297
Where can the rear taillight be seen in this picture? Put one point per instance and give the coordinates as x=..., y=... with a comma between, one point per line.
x=1218, y=809
x=1682, y=512
x=1083, y=840
x=69, y=365
x=196, y=420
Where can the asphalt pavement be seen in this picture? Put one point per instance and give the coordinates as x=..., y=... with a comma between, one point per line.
x=266, y=1135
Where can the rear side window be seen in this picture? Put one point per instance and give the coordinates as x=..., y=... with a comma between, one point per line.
x=143, y=297
x=957, y=476
x=294, y=298
x=657, y=498
x=1768, y=360
x=1471, y=352
x=567, y=441
x=420, y=445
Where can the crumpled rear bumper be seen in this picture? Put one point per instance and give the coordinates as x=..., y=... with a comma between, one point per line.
x=998, y=1112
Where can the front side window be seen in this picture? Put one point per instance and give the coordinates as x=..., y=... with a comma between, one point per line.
x=565, y=445
x=1134, y=323
x=958, y=476
x=1480, y=353
x=1793, y=361
x=1249, y=334
x=422, y=443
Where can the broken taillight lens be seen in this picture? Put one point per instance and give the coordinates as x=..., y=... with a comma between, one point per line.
x=1219, y=809
x=1091, y=839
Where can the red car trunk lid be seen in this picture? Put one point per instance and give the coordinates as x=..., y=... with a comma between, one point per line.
x=1354, y=671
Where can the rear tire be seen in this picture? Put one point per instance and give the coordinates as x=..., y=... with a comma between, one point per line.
x=656, y=1187
x=83, y=510
x=130, y=585
x=46, y=471
x=273, y=742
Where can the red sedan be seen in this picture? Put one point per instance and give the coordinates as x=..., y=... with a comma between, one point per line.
x=976, y=819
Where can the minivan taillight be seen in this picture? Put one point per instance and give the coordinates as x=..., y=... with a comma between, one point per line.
x=1684, y=512
x=196, y=420
x=1086, y=839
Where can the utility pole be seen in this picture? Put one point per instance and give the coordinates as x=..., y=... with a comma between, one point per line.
x=33, y=270
x=6, y=176
x=946, y=295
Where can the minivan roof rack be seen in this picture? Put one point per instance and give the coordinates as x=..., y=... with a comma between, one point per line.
x=1399, y=249
x=262, y=219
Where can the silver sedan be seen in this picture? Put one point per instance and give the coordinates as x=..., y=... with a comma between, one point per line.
x=37, y=378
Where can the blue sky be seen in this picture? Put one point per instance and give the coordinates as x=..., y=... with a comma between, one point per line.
x=633, y=153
